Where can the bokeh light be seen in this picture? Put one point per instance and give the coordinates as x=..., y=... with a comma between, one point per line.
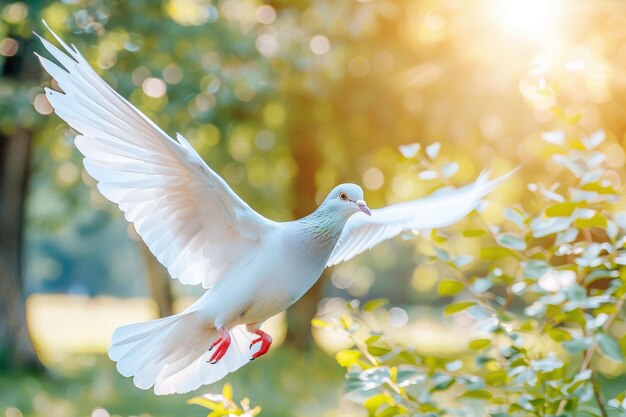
x=173, y=74
x=100, y=412
x=267, y=44
x=15, y=12
x=359, y=66
x=42, y=105
x=319, y=44
x=13, y=412
x=398, y=317
x=373, y=178
x=153, y=87
x=191, y=12
x=8, y=47
x=265, y=14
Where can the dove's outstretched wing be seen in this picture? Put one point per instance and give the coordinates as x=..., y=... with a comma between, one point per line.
x=188, y=216
x=363, y=232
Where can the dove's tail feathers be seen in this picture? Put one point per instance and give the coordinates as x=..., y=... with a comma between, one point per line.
x=172, y=353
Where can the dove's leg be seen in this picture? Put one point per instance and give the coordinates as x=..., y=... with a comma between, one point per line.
x=217, y=342
x=222, y=343
x=264, y=338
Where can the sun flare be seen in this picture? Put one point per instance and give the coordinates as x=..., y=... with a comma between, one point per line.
x=526, y=17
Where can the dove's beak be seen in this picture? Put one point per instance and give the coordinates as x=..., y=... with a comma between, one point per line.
x=363, y=207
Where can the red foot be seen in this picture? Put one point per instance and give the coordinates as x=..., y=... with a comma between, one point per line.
x=266, y=342
x=222, y=346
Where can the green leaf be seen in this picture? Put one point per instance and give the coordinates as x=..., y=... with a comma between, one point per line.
x=374, y=304
x=575, y=293
x=576, y=316
x=345, y=321
x=409, y=375
x=600, y=274
x=596, y=221
x=407, y=357
x=378, y=349
x=410, y=150
x=535, y=269
x=372, y=339
x=546, y=226
x=480, y=394
x=458, y=307
x=448, y=287
x=391, y=412
x=449, y=169
x=592, y=141
x=597, y=187
x=546, y=364
x=516, y=216
x=433, y=149
x=480, y=344
x=474, y=233
x=462, y=260
x=227, y=391
x=442, y=382
x=354, y=385
x=376, y=376
x=454, y=365
x=347, y=358
x=563, y=209
x=566, y=236
x=493, y=253
x=480, y=285
x=496, y=377
x=206, y=403
x=442, y=254
x=559, y=335
x=427, y=174
x=511, y=241
x=437, y=237
x=575, y=118
x=319, y=323
x=373, y=403
x=478, y=313
x=578, y=345
x=577, y=167
x=609, y=347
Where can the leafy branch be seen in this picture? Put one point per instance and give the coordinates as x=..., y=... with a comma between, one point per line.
x=550, y=284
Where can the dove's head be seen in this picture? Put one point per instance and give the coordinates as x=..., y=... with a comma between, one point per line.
x=348, y=199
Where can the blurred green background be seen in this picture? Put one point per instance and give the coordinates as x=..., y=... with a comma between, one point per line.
x=284, y=99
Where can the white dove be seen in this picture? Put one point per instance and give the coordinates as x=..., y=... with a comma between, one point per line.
x=252, y=267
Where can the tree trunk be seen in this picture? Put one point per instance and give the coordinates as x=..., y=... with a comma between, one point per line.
x=158, y=282
x=306, y=154
x=16, y=349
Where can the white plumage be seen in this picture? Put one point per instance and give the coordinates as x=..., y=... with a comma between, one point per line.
x=205, y=234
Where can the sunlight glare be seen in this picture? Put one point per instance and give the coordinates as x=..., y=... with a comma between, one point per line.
x=526, y=17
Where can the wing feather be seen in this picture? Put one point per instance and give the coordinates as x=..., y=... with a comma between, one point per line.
x=187, y=215
x=363, y=232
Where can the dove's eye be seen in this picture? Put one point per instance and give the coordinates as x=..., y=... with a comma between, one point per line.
x=343, y=196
